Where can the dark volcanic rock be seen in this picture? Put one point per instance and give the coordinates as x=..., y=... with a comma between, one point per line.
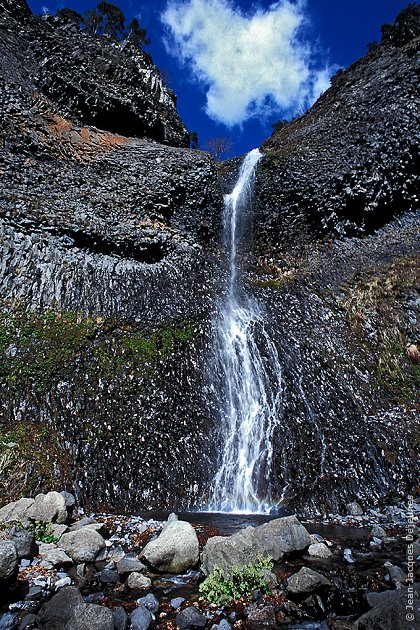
x=351, y=163
x=92, y=79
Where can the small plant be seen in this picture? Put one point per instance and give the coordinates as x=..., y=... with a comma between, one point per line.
x=223, y=588
x=43, y=532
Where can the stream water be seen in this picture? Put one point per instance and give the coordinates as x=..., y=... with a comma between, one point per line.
x=247, y=376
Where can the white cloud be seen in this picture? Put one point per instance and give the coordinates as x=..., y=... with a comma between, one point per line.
x=250, y=64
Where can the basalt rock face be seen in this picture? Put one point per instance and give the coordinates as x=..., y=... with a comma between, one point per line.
x=336, y=266
x=351, y=163
x=92, y=79
x=108, y=265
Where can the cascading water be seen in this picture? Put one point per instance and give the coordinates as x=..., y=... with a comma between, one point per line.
x=247, y=360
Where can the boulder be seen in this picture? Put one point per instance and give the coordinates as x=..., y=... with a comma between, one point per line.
x=190, y=617
x=48, y=508
x=141, y=618
x=129, y=563
x=108, y=576
x=120, y=618
x=150, y=602
x=319, y=550
x=91, y=617
x=24, y=542
x=55, y=614
x=138, y=582
x=262, y=618
x=57, y=557
x=391, y=613
x=273, y=539
x=175, y=550
x=354, y=509
x=8, y=560
x=16, y=511
x=82, y=545
x=269, y=578
x=378, y=532
x=306, y=581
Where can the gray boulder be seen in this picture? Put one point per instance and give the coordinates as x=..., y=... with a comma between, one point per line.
x=82, y=545
x=48, y=508
x=150, y=602
x=190, y=617
x=55, y=614
x=57, y=557
x=306, y=581
x=91, y=617
x=390, y=614
x=175, y=550
x=354, y=509
x=120, y=618
x=8, y=560
x=129, y=563
x=138, y=582
x=141, y=618
x=16, y=511
x=273, y=539
x=378, y=532
x=24, y=542
x=319, y=550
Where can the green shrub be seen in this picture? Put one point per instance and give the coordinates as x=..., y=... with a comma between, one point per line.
x=43, y=532
x=223, y=588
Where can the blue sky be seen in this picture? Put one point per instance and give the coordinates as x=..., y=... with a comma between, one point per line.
x=238, y=66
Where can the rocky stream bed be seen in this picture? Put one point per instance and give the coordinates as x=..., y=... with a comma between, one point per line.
x=62, y=569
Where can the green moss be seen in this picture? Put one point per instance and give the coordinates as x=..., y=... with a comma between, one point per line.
x=30, y=456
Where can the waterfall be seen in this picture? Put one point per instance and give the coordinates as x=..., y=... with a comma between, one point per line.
x=250, y=392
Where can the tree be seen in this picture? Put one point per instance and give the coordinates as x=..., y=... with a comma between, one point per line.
x=279, y=124
x=69, y=16
x=218, y=147
x=113, y=19
x=193, y=140
x=136, y=34
x=92, y=21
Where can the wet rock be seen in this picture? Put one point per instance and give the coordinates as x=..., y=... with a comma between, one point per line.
x=354, y=509
x=120, y=619
x=138, y=582
x=272, y=539
x=141, y=618
x=55, y=614
x=378, y=532
x=306, y=581
x=91, y=617
x=319, y=550
x=150, y=602
x=28, y=621
x=129, y=563
x=177, y=602
x=190, y=618
x=175, y=550
x=9, y=621
x=8, y=561
x=48, y=508
x=396, y=575
x=108, y=576
x=24, y=542
x=348, y=556
x=66, y=581
x=224, y=625
x=82, y=545
x=262, y=618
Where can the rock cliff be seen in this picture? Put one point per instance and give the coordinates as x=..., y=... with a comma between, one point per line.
x=107, y=269
x=110, y=265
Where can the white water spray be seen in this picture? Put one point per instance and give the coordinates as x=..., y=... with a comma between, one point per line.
x=252, y=383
